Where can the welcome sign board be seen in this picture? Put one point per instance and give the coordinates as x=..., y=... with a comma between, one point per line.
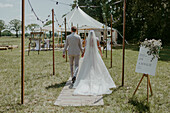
x=145, y=64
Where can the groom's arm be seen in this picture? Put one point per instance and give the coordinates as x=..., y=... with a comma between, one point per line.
x=65, y=47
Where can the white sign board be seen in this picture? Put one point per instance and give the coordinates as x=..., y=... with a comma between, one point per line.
x=145, y=64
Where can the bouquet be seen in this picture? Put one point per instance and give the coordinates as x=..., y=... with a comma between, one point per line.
x=154, y=47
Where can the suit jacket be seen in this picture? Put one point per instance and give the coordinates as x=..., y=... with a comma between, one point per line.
x=73, y=43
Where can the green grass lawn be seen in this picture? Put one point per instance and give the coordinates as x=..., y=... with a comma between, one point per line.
x=42, y=88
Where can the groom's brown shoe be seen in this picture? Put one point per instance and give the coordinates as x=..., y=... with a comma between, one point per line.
x=73, y=79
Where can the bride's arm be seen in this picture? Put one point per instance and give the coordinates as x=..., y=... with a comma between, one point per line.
x=84, y=49
x=98, y=43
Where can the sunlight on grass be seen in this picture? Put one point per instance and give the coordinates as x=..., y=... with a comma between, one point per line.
x=42, y=88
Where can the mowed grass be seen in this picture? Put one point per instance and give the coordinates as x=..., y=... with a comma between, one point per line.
x=42, y=88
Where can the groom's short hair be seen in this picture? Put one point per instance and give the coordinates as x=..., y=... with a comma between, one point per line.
x=73, y=29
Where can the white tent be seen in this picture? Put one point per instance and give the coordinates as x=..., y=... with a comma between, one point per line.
x=80, y=18
x=77, y=17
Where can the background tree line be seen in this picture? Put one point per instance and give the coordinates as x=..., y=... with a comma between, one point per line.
x=144, y=18
x=15, y=26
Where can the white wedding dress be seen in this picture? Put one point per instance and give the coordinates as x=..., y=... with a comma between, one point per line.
x=93, y=77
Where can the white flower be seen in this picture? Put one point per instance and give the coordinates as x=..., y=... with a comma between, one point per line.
x=153, y=45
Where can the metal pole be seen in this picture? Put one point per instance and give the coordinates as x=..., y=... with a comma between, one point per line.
x=65, y=36
x=53, y=41
x=106, y=39
x=23, y=52
x=61, y=39
x=123, y=58
x=111, y=41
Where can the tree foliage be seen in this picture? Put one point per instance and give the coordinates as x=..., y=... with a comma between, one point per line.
x=48, y=23
x=15, y=25
x=6, y=33
x=2, y=26
x=144, y=19
x=32, y=27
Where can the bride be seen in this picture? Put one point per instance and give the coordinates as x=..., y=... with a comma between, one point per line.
x=93, y=76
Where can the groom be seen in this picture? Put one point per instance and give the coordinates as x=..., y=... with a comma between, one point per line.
x=73, y=43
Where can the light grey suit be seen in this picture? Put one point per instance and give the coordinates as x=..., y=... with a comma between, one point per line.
x=73, y=43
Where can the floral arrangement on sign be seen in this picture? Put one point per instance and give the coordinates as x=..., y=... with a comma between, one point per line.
x=154, y=47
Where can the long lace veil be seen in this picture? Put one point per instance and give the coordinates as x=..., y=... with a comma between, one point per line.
x=93, y=75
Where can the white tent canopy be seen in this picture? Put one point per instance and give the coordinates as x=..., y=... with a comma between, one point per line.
x=79, y=18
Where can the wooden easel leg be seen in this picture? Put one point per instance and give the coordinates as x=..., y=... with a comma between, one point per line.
x=150, y=86
x=147, y=88
x=139, y=84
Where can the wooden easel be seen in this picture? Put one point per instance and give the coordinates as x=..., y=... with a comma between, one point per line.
x=148, y=85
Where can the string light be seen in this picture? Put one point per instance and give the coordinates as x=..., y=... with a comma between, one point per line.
x=36, y=14
x=43, y=21
x=57, y=3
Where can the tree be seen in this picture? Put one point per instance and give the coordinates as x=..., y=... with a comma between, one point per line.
x=74, y=4
x=144, y=19
x=93, y=8
x=2, y=26
x=15, y=25
x=6, y=33
x=47, y=23
x=32, y=27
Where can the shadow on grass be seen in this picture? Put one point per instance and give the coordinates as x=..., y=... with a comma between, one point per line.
x=56, y=85
x=11, y=107
x=140, y=106
x=131, y=47
x=165, y=54
x=116, y=89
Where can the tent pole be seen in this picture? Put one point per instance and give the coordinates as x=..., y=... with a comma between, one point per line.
x=77, y=29
x=106, y=39
x=111, y=41
x=103, y=40
x=58, y=37
x=53, y=41
x=123, y=58
x=65, y=36
x=23, y=52
x=61, y=40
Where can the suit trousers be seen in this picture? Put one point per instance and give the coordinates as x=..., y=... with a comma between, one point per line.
x=74, y=60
